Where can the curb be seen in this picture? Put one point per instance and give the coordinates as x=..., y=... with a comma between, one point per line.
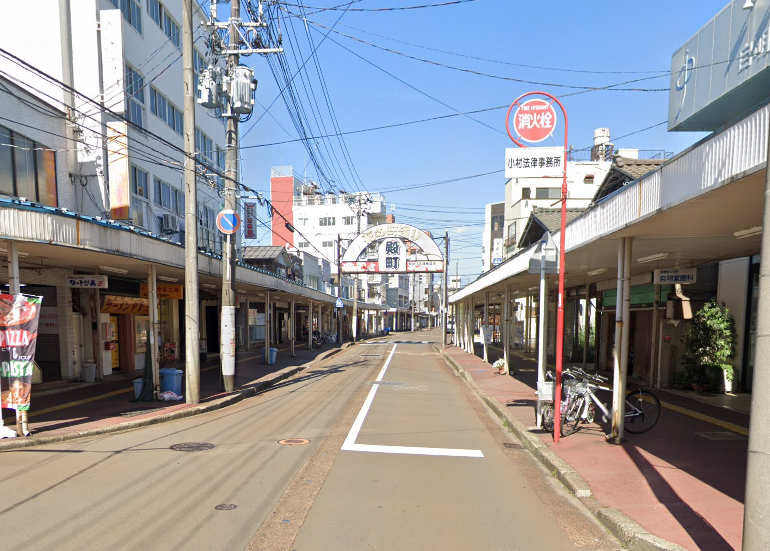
x=237, y=396
x=632, y=535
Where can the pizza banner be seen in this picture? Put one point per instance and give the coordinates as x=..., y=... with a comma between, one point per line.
x=19, y=318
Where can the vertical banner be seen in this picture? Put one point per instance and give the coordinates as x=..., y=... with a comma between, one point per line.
x=250, y=220
x=117, y=160
x=19, y=318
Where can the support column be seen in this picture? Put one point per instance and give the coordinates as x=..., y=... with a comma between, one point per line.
x=14, y=288
x=622, y=325
x=586, y=328
x=268, y=321
x=506, y=323
x=152, y=345
x=654, y=343
x=485, y=326
x=527, y=321
x=292, y=329
x=542, y=335
x=310, y=326
x=320, y=319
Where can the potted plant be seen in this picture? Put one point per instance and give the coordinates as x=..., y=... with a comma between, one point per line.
x=730, y=380
x=500, y=366
x=710, y=342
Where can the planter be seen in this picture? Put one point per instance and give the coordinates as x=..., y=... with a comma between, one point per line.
x=696, y=387
x=731, y=386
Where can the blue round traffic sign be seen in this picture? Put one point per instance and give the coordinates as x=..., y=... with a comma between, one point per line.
x=228, y=221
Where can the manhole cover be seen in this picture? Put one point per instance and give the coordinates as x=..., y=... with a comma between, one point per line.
x=192, y=447
x=721, y=435
x=294, y=442
x=512, y=446
x=226, y=507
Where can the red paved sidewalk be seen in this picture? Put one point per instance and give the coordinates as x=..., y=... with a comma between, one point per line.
x=674, y=481
x=71, y=409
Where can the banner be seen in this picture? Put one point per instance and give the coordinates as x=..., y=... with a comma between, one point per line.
x=250, y=220
x=19, y=318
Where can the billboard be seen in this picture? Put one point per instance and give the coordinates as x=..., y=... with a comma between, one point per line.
x=250, y=220
x=117, y=160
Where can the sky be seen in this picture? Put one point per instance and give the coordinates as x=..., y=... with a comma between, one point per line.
x=347, y=85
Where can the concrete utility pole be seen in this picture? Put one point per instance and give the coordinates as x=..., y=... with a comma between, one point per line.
x=338, y=311
x=227, y=325
x=191, y=307
x=445, y=314
x=756, y=530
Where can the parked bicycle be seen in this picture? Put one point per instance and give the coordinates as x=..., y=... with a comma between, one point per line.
x=579, y=404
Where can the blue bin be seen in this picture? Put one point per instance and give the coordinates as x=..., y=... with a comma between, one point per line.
x=171, y=380
x=273, y=355
x=138, y=388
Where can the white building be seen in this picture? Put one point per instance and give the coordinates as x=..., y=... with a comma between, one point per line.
x=493, y=236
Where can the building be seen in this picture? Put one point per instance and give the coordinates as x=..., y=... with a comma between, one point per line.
x=493, y=236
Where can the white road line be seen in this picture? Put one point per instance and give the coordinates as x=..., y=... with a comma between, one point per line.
x=350, y=441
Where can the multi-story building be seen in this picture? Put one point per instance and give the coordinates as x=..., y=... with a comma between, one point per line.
x=493, y=236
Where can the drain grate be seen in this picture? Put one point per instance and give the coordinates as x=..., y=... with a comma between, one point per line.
x=721, y=435
x=226, y=507
x=294, y=442
x=512, y=446
x=192, y=447
x=136, y=412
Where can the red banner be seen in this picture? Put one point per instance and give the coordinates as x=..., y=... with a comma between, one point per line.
x=19, y=318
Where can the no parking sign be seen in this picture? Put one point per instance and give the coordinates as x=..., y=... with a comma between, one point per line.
x=228, y=221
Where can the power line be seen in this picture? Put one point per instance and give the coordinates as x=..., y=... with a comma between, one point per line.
x=395, y=8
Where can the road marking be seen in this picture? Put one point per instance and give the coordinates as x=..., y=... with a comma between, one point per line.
x=713, y=420
x=350, y=441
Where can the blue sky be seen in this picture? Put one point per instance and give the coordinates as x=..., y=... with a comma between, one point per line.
x=577, y=43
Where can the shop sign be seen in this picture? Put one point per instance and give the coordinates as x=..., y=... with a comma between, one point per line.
x=19, y=318
x=164, y=290
x=534, y=162
x=250, y=220
x=675, y=275
x=49, y=321
x=87, y=281
x=360, y=267
x=169, y=351
x=117, y=160
x=125, y=305
x=392, y=255
x=425, y=266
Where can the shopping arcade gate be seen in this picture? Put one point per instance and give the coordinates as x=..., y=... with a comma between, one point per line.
x=391, y=253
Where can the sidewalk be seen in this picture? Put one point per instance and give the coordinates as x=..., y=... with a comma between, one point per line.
x=64, y=410
x=683, y=481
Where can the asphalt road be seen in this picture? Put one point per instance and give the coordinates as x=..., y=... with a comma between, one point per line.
x=400, y=456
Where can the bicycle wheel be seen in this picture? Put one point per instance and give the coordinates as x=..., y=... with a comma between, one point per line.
x=642, y=411
x=549, y=414
x=570, y=419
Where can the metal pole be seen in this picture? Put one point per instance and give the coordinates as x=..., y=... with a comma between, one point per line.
x=355, y=308
x=338, y=311
x=292, y=329
x=507, y=324
x=485, y=327
x=756, y=530
x=542, y=328
x=445, y=315
x=617, y=398
x=267, y=326
x=560, y=296
x=586, y=329
x=227, y=326
x=191, y=306
x=310, y=325
x=152, y=345
x=654, y=343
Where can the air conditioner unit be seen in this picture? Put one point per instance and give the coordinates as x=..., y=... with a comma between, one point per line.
x=169, y=223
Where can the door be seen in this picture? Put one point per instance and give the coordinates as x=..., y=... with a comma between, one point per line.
x=640, y=342
x=212, y=329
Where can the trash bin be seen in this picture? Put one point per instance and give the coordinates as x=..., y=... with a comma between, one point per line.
x=89, y=372
x=138, y=387
x=273, y=355
x=387, y=331
x=171, y=380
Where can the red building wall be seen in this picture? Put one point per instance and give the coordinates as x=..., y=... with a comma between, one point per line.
x=282, y=198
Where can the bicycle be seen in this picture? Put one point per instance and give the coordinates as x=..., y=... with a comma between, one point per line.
x=580, y=403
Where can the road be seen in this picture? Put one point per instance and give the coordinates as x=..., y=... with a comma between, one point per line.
x=401, y=455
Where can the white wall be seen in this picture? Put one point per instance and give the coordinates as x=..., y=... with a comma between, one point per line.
x=733, y=290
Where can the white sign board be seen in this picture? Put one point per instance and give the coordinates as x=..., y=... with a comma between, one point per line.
x=675, y=275
x=547, y=245
x=392, y=255
x=534, y=162
x=497, y=247
x=425, y=266
x=87, y=281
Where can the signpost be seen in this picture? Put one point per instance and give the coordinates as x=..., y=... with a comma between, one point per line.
x=228, y=223
x=534, y=121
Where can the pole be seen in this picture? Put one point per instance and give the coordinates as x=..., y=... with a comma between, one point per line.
x=14, y=287
x=267, y=326
x=310, y=325
x=506, y=322
x=654, y=343
x=616, y=396
x=586, y=329
x=227, y=326
x=445, y=314
x=191, y=306
x=485, y=327
x=152, y=345
x=292, y=329
x=337, y=311
x=560, y=296
x=541, y=333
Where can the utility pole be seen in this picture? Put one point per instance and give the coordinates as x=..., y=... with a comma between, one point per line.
x=192, y=332
x=338, y=311
x=227, y=324
x=445, y=316
x=236, y=92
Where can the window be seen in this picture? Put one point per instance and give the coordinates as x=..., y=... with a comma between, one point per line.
x=166, y=111
x=199, y=63
x=180, y=203
x=303, y=221
x=132, y=12
x=498, y=221
x=327, y=244
x=163, y=19
x=27, y=169
x=348, y=220
x=327, y=221
x=548, y=193
x=204, y=146
x=302, y=245
x=139, y=182
x=511, y=234
x=166, y=196
x=525, y=193
x=134, y=96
